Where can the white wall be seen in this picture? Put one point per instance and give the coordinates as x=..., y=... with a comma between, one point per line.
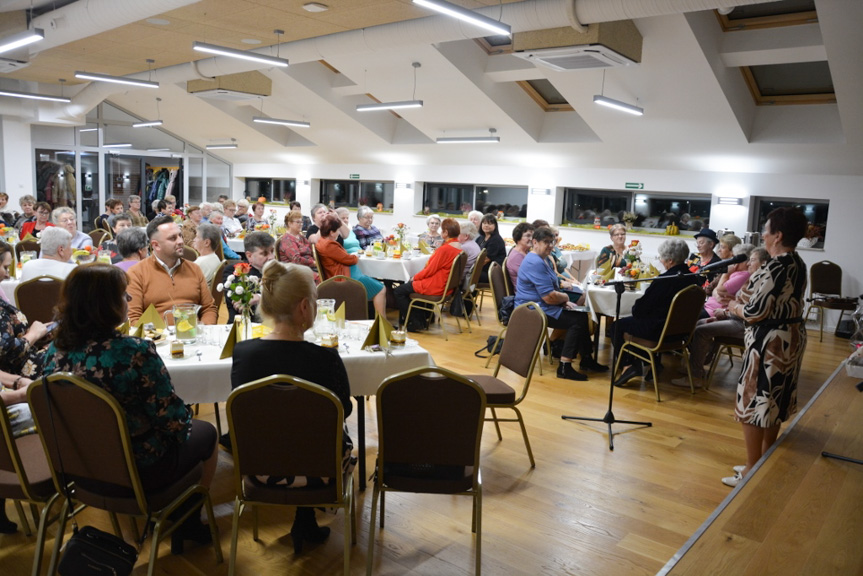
x=17, y=157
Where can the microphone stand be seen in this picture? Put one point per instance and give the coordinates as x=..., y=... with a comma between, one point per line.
x=609, y=419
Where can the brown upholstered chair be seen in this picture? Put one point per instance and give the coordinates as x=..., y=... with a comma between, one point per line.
x=471, y=286
x=321, y=272
x=510, y=289
x=519, y=354
x=98, y=236
x=217, y=279
x=723, y=345
x=497, y=285
x=435, y=304
x=825, y=292
x=676, y=334
x=88, y=427
x=189, y=253
x=26, y=477
x=27, y=246
x=347, y=290
x=429, y=431
x=286, y=426
x=38, y=297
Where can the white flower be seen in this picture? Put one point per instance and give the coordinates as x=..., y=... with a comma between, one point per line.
x=254, y=279
x=229, y=294
x=230, y=278
x=220, y=287
x=239, y=291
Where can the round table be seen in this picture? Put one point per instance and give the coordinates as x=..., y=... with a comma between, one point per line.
x=398, y=269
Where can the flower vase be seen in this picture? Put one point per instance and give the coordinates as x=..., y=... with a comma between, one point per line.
x=628, y=226
x=243, y=324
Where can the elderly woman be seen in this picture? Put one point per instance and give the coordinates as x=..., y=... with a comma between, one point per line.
x=189, y=228
x=720, y=323
x=432, y=236
x=293, y=246
x=306, y=220
x=365, y=232
x=537, y=282
x=431, y=280
x=705, y=242
x=475, y=218
x=490, y=239
x=337, y=262
x=288, y=301
x=138, y=218
x=166, y=441
x=651, y=310
x=27, y=203
x=242, y=214
x=614, y=252
x=230, y=224
x=42, y=212
x=467, y=241
x=17, y=339
x=256, y=217
x=728, y=283
x=775, y=338
x=65, y=218
x=523, y=236
x=117, y=223
x=133, y=246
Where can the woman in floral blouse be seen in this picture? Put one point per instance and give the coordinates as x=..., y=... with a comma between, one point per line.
x=18, y=353
x=166, y=442
x=294, y=247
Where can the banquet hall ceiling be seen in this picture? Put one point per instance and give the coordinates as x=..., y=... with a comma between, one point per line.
x=699, y=114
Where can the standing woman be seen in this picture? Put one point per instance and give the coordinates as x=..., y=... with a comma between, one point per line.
x=492, y=241
x=614, y=252
x=775, y=338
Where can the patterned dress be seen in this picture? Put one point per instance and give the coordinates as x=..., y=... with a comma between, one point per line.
x=17, y=356
x=767, y=389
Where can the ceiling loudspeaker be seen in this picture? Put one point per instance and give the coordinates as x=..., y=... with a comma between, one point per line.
x=232, y=87
x=603, y=45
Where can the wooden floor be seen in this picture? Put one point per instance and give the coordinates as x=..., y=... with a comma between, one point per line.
x=582, y=510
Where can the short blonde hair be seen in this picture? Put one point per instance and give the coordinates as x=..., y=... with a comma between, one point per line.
x=229, y=204
x=283, y=287
x=292, y=216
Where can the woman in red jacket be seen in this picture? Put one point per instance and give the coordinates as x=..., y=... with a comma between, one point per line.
x=431, y=280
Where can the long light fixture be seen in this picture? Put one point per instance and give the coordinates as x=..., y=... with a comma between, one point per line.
x=618, y=105
x=150, y=123
x=20, y=39
x=87, y=129
x=400, y=105
x=116, y=79
x=466, y=16
x=490, y=139
x=730, y=201
x=266, y=120
x=231, y=52
x=225, y=146
x=33, y=96
x=118, y=145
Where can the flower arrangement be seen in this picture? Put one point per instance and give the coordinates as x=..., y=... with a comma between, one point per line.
x=400, y=231
x=85, y=254
x=272, y=218
x=629, y=218
x=240, y=287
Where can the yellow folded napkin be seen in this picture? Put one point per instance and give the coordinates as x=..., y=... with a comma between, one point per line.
x=29, y=238
x=150, y=316
x=228, y=348
x=424, y=247
x=124, y=328
x=606, y=271
x=379, y=333
x=340, y=313
x=138, y=331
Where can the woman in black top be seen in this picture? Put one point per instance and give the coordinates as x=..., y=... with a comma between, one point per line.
x=288, y=300
x=491, y=240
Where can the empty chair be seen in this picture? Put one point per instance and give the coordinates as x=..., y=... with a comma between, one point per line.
x=429, y=431
x=434, y=304
x=519, y=354
x=347, y=290
x=288, y=427
x=825, y=278
x=99, y=235
x=38, y=297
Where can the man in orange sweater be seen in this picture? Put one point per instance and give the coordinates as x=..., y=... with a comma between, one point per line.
x=165, y=279
x=431, y=280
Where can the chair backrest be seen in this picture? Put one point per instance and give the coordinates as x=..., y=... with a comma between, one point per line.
x=84, y=432
x=475, y=272
x=286, y=426
x=38, y=297
x=347, y=290
x=217, y=279
x=429, y=417
x=528, y=325
x=510, y=289
x=98, y=236
x=11, y=462
x=497, y=283
x=825, y=277
x=189, y=253
x=27, y=246
x=321, y=272
x=682, y=316
x=456, y=273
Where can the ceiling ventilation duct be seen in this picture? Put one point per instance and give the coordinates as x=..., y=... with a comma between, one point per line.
x=233, y=87
x=603, y=45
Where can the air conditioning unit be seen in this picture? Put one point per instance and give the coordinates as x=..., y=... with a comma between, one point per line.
x=576, y=57
x=7, y=65
x=232, y=87
x=227, y=95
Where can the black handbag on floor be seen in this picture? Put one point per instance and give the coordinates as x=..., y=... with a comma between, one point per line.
x=490, y=347
x=92, y=552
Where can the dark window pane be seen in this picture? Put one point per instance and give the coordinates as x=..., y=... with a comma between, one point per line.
x=793, y=79
x=448, y=198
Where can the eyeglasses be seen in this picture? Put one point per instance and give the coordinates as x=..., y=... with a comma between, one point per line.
x=619, y=235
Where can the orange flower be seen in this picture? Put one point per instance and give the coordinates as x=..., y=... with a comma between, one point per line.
x=242, y=268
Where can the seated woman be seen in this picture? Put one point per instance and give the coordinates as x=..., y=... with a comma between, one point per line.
x=189, y=227
x=337, y=262
x=721, y=323
x=557, y=257
x=614, y=252
x=350, y=242
x=257, y=216
x=537, y=282
x=724, y=250
x=293, y=246
x=431, y=280
x=42, y=211
x=133, y=246
x=490, y=239
x=19, y=353
x=651, y=310
x=365, y=231
x=523, y=236
x=166, y=441
x=432, y=236
x=13, y=394
x=705, y=242
x=728, y=283
x=117, y=223
x=65, y=218
x=208, y=241
x=288, y=301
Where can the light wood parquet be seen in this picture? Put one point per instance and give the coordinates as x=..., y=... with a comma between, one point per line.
x=582, y=510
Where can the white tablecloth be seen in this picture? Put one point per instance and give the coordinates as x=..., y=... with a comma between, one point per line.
x=400, y=269
x=603, y=300
x=236, y=244
x=8, y=287
x=577, y=259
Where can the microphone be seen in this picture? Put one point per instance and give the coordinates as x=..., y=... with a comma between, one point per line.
x=723, y=264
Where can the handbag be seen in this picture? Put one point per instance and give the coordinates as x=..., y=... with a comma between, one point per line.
x=90, y=551
x=490, y=347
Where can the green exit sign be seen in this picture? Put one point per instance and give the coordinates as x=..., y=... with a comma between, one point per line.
x=355, y=176
x=635, y=186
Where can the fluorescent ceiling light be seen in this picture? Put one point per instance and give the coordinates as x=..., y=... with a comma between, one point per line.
x=618, y=105
x=147, y=124
x=467, y=16
x=730, y=201
x=253, y=56
x=32, y=96
x=87, y=129
x=21, y=39
x=315, y=7
x=470, y=140
x=265, y=120
x=221, y=146
x=116, y=79
x=118, y=145
x=390, y=105
x=158, y=149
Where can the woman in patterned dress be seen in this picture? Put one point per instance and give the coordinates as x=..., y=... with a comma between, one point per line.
x=775, y=338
